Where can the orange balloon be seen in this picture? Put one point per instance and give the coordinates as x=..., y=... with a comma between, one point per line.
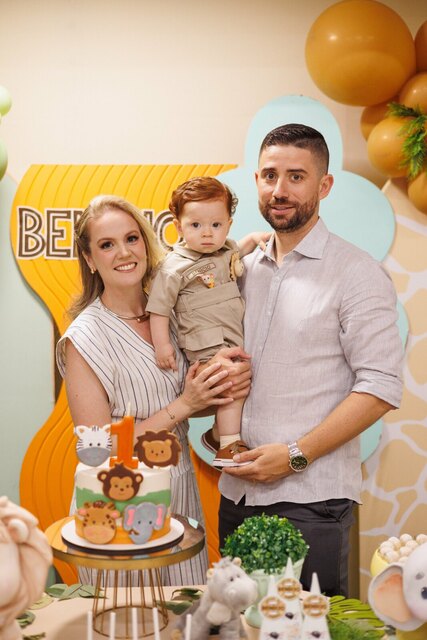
x=360, y=52
x=421, y=47
x=417, y=191
x=385, y=147
x=372, y=116
x=414, y=92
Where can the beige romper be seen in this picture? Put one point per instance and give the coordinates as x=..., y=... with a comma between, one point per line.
x=202, y=290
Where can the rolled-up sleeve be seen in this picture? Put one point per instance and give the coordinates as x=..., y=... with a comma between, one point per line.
x=369, y=332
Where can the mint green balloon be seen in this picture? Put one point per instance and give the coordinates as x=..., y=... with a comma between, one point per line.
x=5, y=101
x=3, y=159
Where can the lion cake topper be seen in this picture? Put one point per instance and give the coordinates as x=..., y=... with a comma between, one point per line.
x=158, y=448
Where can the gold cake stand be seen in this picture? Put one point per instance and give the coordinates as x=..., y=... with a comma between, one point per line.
x=109, y=596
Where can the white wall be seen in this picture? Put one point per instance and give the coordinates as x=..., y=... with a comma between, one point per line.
x=132, y=81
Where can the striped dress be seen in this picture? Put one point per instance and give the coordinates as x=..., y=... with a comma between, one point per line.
x=126, y=366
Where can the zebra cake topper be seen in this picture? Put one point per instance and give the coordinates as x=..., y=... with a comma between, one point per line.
x=94, y=444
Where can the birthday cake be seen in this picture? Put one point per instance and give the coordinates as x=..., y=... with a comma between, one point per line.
x=122, y=499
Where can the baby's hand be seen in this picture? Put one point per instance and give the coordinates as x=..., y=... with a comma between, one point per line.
x=261, y=238
x=165, y=357
x=252, y=241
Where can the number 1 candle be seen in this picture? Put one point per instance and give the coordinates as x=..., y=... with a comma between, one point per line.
x=124, y=432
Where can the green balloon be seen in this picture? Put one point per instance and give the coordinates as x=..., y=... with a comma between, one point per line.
x=5, y=101
x=3, y=159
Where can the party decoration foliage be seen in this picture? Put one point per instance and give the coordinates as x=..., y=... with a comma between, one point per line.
x=414, y=131
x=265, y=542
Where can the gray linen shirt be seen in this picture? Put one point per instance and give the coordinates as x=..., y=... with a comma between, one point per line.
x=319, y=326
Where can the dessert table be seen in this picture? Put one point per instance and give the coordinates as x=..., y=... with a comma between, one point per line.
x=114, y=589
x=67, y=619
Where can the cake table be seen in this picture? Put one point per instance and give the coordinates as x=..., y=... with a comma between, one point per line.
x=147, y=563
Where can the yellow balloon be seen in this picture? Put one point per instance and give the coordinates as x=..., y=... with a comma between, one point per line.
x=385, y=147
x=360, y=52
x=372, y=116
x=421, y=47
x=417, y=191
x=414, y=92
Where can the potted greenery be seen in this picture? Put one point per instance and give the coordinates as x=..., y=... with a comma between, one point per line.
x=264, y=543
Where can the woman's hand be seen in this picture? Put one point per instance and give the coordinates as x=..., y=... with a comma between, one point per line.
x=236, y=362
x=203, y=388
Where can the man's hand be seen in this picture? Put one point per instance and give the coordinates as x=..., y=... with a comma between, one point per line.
x=270, y=463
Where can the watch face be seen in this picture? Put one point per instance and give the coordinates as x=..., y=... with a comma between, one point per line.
x=298, y=463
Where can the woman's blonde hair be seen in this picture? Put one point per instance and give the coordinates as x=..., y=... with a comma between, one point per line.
x=92, y=285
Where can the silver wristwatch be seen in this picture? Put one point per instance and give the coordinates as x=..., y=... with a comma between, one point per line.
x=297, y=460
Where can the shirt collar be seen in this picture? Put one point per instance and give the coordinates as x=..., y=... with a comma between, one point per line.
x=183, y=250
x=311, y=246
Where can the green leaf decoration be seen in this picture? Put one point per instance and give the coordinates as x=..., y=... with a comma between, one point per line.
x=25, y=619
x=56, y=590
x=414, y=148
x=351, y=619
x=43, y=602
x=89, y=591
x=265, y=542
x=353, y=630
x=187, y=593
x=182, y=599
x=70, y=592
x=38, y=636
x=178, y=607
x=78, y=590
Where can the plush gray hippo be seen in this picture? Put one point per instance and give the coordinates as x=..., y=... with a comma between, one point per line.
x=142, y=519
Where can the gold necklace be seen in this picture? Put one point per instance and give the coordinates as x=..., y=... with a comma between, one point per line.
x=141, y=318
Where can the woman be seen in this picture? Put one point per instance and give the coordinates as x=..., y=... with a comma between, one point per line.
x=107, y=358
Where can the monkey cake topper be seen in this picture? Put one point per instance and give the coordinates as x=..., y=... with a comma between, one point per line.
x=120, y=483
x=158, y=448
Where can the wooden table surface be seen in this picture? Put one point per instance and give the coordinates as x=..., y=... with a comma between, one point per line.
x=67, y=620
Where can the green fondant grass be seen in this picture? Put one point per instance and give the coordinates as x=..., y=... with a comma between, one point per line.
x=157, y=497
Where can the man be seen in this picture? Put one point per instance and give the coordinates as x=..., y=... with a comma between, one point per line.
x=320, y=324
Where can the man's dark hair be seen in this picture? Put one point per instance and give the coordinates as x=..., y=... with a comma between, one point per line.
x=302, y=136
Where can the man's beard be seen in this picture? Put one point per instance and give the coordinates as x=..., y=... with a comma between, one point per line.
x=302, y=214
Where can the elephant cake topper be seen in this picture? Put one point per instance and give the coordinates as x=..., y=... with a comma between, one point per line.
x=141, y=520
